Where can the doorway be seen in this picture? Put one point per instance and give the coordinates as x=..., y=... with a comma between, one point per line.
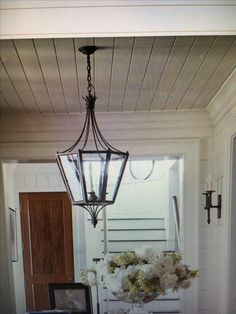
x=143, y=215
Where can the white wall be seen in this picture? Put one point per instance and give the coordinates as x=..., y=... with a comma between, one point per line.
x=232, y=234
x=7, y=298
x=17, y=267
x=204, y=228
x=220, y=229
x=223, y=113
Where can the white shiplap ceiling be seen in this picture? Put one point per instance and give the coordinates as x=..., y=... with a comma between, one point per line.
x=130, y=74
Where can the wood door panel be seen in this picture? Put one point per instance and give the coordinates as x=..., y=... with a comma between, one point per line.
x=47, y=234
x=42, y=300
x=47, y=238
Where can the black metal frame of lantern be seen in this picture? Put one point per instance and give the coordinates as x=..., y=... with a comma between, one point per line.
x=88, y=174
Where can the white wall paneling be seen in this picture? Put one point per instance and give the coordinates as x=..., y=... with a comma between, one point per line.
x=7, y=293
x=224, y=130
x=232, y=252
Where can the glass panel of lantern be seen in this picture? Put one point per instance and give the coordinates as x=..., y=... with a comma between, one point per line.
x=94, y=165
x=115, y=172
x=71, y=174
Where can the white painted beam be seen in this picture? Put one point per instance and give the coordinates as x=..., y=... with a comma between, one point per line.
x=37, y=136
x=44, y=19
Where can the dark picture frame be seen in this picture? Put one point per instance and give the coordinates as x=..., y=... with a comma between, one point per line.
x=73, y=297
x=13, y=234
x=49, y=312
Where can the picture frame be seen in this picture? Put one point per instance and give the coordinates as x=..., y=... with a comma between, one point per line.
x=73, y=297
x=49, y=312
x=13, y=234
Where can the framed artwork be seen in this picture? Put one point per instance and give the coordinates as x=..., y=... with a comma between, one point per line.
x=50, y=312
x=73, y=297
x=13, y=235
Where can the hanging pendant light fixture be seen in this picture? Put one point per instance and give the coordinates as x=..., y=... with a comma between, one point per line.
x=92, y=176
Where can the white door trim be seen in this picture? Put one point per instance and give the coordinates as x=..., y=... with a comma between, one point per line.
x=230, y=135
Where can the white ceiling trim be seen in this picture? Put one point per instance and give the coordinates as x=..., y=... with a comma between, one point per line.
x=224, y=102
x=25, y=4
x=129, y=18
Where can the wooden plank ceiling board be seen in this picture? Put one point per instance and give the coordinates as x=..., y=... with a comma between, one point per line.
x=65, y=52
x=175, y=62
x=30, y=63
x=207, y=68
x=103, y=71
x=159, y=57
x=123, y=50
x=129, y=74
x=193, y=62
x=219, y=76
x=8, y=91
x=141, y=55
x=17, y=75
x=49, y=64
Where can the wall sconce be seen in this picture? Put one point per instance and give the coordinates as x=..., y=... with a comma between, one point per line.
x=209, y=205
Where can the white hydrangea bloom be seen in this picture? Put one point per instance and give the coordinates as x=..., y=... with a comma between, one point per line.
x=131, y=270
x=185, y=284
x=141, y=271
x=146, y=253
x=92, y=279
x=113, y=283
x=182, y=269
x=168, y=281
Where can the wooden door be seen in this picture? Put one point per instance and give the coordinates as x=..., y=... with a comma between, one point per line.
x=46, y=221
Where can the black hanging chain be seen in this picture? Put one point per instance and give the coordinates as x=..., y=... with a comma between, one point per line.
x=90, y=98
x=89, y=88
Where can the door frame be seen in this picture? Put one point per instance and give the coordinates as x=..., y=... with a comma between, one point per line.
x=229, y=204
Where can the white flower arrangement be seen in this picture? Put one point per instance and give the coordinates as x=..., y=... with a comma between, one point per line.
x=142, y=270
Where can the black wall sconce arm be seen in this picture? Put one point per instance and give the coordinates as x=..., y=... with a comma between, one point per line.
x=209, y=205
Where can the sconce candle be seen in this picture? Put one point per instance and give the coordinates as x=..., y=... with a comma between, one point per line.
x=209, y=185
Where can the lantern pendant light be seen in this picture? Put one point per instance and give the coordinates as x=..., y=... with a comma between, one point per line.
x=92, y=176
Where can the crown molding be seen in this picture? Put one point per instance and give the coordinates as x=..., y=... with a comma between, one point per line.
x=222, y=108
